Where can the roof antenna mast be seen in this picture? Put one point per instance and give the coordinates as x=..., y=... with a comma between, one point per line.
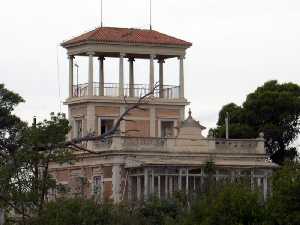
x=150, y=14
x=227, y=125
x=101, y=6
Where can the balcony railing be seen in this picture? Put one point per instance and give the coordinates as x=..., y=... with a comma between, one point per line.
x=135, y=90
x=241, y=146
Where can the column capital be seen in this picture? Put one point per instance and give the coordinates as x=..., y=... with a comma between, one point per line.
x=90, y=53
x=122, y=54
x=181, y=57
x=101, y=58
x=161, y=60
x=152, y=56
x=71, y=57
x=131, y=59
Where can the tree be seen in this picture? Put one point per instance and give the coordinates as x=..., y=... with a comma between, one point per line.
x=273, y=109
x=75, y=211
x=24, y=176
x=234, y=204
x=26, y=151
x=284, y=204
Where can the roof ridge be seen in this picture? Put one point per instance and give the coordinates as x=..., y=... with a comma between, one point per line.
x=93, y=32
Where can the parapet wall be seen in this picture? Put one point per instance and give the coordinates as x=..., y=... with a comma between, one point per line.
x=207, y=145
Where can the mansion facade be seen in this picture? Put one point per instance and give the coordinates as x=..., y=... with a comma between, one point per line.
x=158, y=150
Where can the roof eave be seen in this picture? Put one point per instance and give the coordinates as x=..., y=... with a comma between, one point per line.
x=68, y=44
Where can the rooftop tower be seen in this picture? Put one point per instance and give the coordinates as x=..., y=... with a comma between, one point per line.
x=95, y=105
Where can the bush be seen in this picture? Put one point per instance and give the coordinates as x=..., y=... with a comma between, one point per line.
x=233, y=205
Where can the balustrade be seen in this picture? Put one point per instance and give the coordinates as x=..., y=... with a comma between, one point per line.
x=135, y=90
x=170, y=144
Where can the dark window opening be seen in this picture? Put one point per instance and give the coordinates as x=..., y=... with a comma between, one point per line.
x=106, y=125
x=167, y=129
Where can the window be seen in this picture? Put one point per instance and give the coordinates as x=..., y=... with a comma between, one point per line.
x=78, y=128
x=105, y=125
x=167, y=129
x=97, y=180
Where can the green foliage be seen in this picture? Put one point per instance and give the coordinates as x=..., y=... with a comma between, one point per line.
x=25, y=153
x=284, y=204
x=88, y=212
x=75, y=211
x=156, y=212
x=232, y=205
x=273, y=109
x=228, y=204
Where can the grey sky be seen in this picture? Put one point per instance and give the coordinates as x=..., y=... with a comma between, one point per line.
x=237, y=46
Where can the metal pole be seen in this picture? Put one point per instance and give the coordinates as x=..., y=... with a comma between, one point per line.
x=150, y=14
x=101, y=13
x=227, y=125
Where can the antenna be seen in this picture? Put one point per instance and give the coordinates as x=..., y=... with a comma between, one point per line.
x=58, y=76
x=101, y=6
x=227, y=125
x=150, y=14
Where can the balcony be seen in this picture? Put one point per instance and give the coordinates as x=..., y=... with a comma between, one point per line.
x=134, y=91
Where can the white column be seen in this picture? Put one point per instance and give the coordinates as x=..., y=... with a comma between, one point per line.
x=151, y=75
x=71, y=75
x=252, y=179
x=217, y=175
x=171, y=185
x=129, y=189
x=121, y=75
x=101, y=75
x=138, y=188
x=146, y=184
x=232, y=176
x=181, y=76
x=180, y=180
x=116, y=183
x=152, y=183
x=265, y=187
x=131, y=77
x=166, y=186
x=161, y=77
x=258, y=181
x=187, y=181
x=91, y=74
x=158, y=186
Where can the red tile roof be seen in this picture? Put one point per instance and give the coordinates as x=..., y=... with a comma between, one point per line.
x=127, y=35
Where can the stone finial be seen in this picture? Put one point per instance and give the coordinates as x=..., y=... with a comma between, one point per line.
x=190, y=113
x=261, y=134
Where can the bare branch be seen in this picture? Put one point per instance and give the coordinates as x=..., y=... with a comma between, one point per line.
x=127, y=120
x=73, y=144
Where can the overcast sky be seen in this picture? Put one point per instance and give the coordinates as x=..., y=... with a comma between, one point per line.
x=237, y=46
